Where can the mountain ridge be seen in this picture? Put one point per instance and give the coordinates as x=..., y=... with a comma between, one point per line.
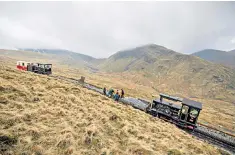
x=217, y=56
x=232, y=51
x=69, y=57
x=184, y=73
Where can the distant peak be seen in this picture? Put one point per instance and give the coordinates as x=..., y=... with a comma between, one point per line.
x=232, y=51
x=153, y=46
x=211, y=50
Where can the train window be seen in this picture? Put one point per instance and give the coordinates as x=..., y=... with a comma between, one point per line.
x=184, y=112
x=193, y=113
x=41, y=66
x=47, y=66
x=22, y=64
x=185, y=109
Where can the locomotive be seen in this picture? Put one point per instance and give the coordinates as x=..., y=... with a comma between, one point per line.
x=35, y=67
x=183, y=112
x=184, y=115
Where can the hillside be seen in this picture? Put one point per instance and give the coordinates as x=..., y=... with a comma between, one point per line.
x=172, y=72
x=189, y=77
x=217, y=56
x=139, y=58
x=139, y=85
x=64, y=57
x=153, y=66
x=48, y=116
x=232, y=52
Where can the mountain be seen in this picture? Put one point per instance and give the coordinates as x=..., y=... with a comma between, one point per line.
x=138, y=58
x=68, y=57
x=154, y=66
x=145, y=72
x=169, y=70
x=62, y=52
x=232, y=52
x=217, y=56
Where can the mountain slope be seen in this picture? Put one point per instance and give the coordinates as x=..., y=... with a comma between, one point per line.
x=137, y=58
x=217, y=56
x=69, y=58
x=49, y=116
x=172, y=72
x=232, y=52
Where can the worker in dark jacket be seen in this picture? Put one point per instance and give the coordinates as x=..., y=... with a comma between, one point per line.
x=122, y=93
x=104, y=90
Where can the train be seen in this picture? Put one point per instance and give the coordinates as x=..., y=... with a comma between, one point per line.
x=184, y=114
x=39, y=68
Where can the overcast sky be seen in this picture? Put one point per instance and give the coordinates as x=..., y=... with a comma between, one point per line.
x=100, y=29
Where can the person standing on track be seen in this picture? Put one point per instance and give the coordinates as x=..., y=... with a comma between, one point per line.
x=116, y=96
x=122, y=93
x=104, y=90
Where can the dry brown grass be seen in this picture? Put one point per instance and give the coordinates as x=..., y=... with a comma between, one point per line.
x=49, y=116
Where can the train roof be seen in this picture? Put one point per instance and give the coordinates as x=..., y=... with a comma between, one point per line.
x=168, y=104
x=43, y=64
x=192, y=103
x=173, y=98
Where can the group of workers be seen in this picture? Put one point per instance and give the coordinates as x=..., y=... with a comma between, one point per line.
x=111, y=92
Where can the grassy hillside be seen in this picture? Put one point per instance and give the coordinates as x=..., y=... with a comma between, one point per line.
x=135, y=85
x=48, y=116
x=181, y=80
x=217, y=56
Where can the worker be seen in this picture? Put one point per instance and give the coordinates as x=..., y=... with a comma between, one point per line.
x=104, y=90
x=116, y=96
x=122, y=93
x=110, y=93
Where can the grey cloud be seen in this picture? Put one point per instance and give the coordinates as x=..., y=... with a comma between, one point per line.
x=100, y=29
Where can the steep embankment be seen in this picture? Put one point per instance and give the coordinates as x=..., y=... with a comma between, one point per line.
x=172, y=72
x=49, y=116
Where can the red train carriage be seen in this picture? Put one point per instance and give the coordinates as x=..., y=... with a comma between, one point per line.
x=22, y=65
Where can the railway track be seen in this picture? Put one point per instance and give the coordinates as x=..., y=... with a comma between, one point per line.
x=211, y=135
x=209, y=139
